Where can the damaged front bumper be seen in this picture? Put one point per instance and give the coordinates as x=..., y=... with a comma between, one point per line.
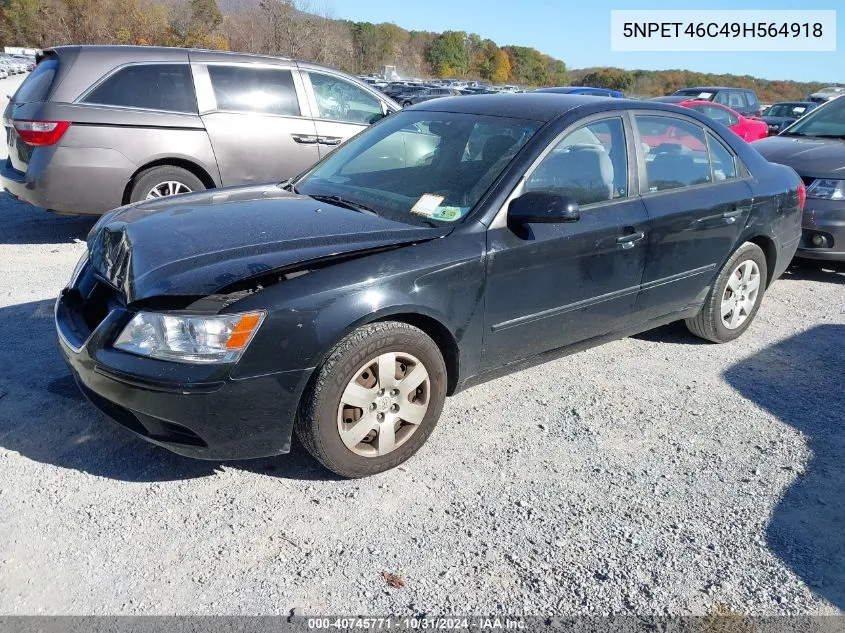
x=196, y=410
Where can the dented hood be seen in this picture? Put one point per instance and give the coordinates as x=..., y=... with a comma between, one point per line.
x=197, y=244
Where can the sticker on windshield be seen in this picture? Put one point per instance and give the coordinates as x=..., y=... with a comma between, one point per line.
x=427, y=204
x=704, y=95
x=448, y=214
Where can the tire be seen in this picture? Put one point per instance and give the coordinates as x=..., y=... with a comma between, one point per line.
x=709, y=323
x=144, y=182
x=322, y=414
x=407, y=104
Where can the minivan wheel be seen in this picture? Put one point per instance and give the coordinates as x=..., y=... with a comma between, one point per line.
x=162, y=181
x=735, y=297
x=374, y=401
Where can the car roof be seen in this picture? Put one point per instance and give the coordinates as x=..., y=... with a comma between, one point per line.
x=541, y=107
x=130, y=51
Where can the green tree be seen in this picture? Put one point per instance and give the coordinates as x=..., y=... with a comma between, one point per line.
x=611, y=78
x=447, y=54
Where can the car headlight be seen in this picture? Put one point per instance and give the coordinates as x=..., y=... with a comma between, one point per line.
x=827, y=189
x=190, y=338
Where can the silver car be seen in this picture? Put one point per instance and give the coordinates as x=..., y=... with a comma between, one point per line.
x=96, y=127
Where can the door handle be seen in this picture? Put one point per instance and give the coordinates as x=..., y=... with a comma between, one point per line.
x=329, y=140
x=305, y=139
x=731, y=216
x=628, y=241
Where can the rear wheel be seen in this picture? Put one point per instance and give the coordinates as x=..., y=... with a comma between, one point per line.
x=163, y=181
x=374, y=401
x=735, y=297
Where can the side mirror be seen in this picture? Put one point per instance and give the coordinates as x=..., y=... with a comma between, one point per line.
x=543, y=207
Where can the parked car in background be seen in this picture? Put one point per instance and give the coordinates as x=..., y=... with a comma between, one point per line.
x=746, y=128
x=396, y=88
x=814, y=146
x=4, y=74
x=96, y=127
x=583, y=90
x=425, y=94
x=517, y=226
x=740, y=100
x=826, y=94
x=781, y=115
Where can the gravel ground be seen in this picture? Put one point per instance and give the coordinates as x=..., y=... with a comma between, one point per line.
x=653, y=475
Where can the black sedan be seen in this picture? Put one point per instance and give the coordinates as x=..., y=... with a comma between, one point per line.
x=814, y=146
x=781, y=115
x=424, y=94
x=425, y=255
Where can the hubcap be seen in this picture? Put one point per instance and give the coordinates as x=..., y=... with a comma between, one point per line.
x=740, y=294
x=383, y=405
x=169, y=188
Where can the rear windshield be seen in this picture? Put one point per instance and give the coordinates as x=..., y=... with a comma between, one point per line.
x=37, y=85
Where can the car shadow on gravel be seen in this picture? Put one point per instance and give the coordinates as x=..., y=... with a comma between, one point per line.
x=823, y=272
x=45, y=418
x=801, y=380
x=25, y=224
x=675, y=333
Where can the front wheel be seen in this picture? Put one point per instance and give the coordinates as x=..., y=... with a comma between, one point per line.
x=374, y=401
x=735, y=297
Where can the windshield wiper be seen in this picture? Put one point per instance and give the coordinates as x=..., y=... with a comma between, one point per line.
x=287, y=185
x=343, y=202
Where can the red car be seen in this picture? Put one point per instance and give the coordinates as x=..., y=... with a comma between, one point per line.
x=745, y=128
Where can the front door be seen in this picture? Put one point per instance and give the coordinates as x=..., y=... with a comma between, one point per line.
x=698, y=202
x=254, y=118
x=551, y=285
x=341, y=108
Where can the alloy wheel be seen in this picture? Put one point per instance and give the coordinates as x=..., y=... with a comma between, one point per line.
x=740, y=294
x=167, y=188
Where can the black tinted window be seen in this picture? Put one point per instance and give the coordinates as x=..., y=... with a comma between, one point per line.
x=152, y=86
x=246, y=89
x=675, y=152
x=37, y=85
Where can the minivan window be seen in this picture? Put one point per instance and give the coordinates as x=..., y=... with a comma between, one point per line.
x=151, y=86
x=675, y=153
x=340, y=100
x=242, y=88
x=35, y=88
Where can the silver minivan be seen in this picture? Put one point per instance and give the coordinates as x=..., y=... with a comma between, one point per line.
x=96, y=127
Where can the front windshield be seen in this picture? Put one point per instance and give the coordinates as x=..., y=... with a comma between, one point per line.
x=787, y=110
x=827, y=121
x=420, y=167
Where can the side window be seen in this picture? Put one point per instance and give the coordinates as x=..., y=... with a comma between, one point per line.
x=151, y=86
x=732, y=119
x=590, y=164
x=243, y=88
x=340, y=100
x=752, y=99
x=724, y=164
x=675, y=153
x=723, y=97
x=736, y=100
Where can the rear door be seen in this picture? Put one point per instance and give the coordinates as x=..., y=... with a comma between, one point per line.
x=698, y=201
x=341, y=108
x=258, y=120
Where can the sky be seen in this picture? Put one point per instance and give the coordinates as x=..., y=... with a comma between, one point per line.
x=579, y=32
